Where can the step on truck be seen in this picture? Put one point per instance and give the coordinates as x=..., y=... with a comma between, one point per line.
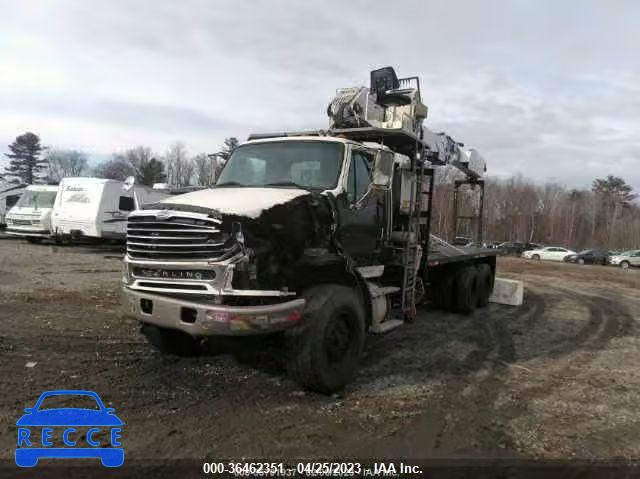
x=321, y=237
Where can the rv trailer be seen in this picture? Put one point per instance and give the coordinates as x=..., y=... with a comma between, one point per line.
x=97, y=207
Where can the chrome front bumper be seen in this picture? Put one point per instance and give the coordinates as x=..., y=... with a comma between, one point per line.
x=200, y=319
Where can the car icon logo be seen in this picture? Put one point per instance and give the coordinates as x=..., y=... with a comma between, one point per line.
x=69, y=432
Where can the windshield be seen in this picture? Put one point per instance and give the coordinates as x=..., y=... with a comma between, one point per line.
x=74, y=194
x=305, y=164
x=37, y=199
x=585, y=251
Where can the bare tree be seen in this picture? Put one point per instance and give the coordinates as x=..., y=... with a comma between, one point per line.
x=65, y=163
x=205, y=169
x=221, y=157
x=114, y=169
x=148, y=170
x=179, y=167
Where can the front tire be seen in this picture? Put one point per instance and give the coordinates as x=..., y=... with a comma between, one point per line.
x=535, y=257
x=625, y=264
x=325, y=349
x=580, y=261
x=171, y=341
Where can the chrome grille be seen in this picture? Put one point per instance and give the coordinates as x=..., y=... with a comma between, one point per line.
x=21, y=222
x=176, y=236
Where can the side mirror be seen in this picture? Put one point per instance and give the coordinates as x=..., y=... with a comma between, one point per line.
x=382, y=171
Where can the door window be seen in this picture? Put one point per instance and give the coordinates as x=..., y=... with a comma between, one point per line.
x=359, y=176
x=11, y=200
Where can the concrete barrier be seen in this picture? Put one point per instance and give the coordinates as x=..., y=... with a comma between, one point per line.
x=507, y=291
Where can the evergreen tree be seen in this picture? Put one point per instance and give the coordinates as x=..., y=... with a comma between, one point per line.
x=25, y=158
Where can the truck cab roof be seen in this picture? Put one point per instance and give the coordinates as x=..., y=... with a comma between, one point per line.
x=288, y=137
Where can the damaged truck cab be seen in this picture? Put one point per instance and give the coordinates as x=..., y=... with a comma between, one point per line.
x=320, y=236
x=287, y=217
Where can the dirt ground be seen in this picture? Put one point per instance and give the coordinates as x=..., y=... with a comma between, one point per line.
x=558, y=377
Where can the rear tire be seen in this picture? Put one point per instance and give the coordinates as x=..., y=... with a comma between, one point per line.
x=466, y=289
x=171, y=341
x=325, y=349
x=443, y=289
x=485, y=284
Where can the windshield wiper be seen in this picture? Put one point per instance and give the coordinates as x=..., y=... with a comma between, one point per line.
x=230, y=183
x=288, y=183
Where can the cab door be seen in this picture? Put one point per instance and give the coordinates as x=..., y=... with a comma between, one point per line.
x=360, y=213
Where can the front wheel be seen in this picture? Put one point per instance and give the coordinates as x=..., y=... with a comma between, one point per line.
x=171, y=341
x=625, y=264
x=580, y=261
x=536, y=257
x=326, y=348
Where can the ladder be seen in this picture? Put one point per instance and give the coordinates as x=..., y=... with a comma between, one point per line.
x=410, y=263
x=413, y=250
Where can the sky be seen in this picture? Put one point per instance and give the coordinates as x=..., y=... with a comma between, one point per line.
x=546, y=89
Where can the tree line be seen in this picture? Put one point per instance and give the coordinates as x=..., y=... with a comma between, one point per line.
x=515, y=209
x=30, y=162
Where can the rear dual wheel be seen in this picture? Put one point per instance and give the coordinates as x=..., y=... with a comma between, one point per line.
x=473, y=286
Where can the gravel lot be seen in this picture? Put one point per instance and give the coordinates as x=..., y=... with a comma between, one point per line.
x=557, y=377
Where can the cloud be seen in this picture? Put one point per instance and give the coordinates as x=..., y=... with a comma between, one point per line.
x=541, y=88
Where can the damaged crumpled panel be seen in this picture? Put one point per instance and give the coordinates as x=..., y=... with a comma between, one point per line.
x=241, y=201
x=274, y=227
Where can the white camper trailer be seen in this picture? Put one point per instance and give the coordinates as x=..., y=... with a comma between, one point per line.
x=97, y=208
x=9, y=196
x=31, y=216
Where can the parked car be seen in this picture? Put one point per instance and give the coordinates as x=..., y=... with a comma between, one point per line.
x=627, y=259
x=516, y=247
x=589, y=256
x=511, y=247
x=461, y=241
x=551, y=253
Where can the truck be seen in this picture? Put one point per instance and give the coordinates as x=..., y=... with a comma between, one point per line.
x=320, y=237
